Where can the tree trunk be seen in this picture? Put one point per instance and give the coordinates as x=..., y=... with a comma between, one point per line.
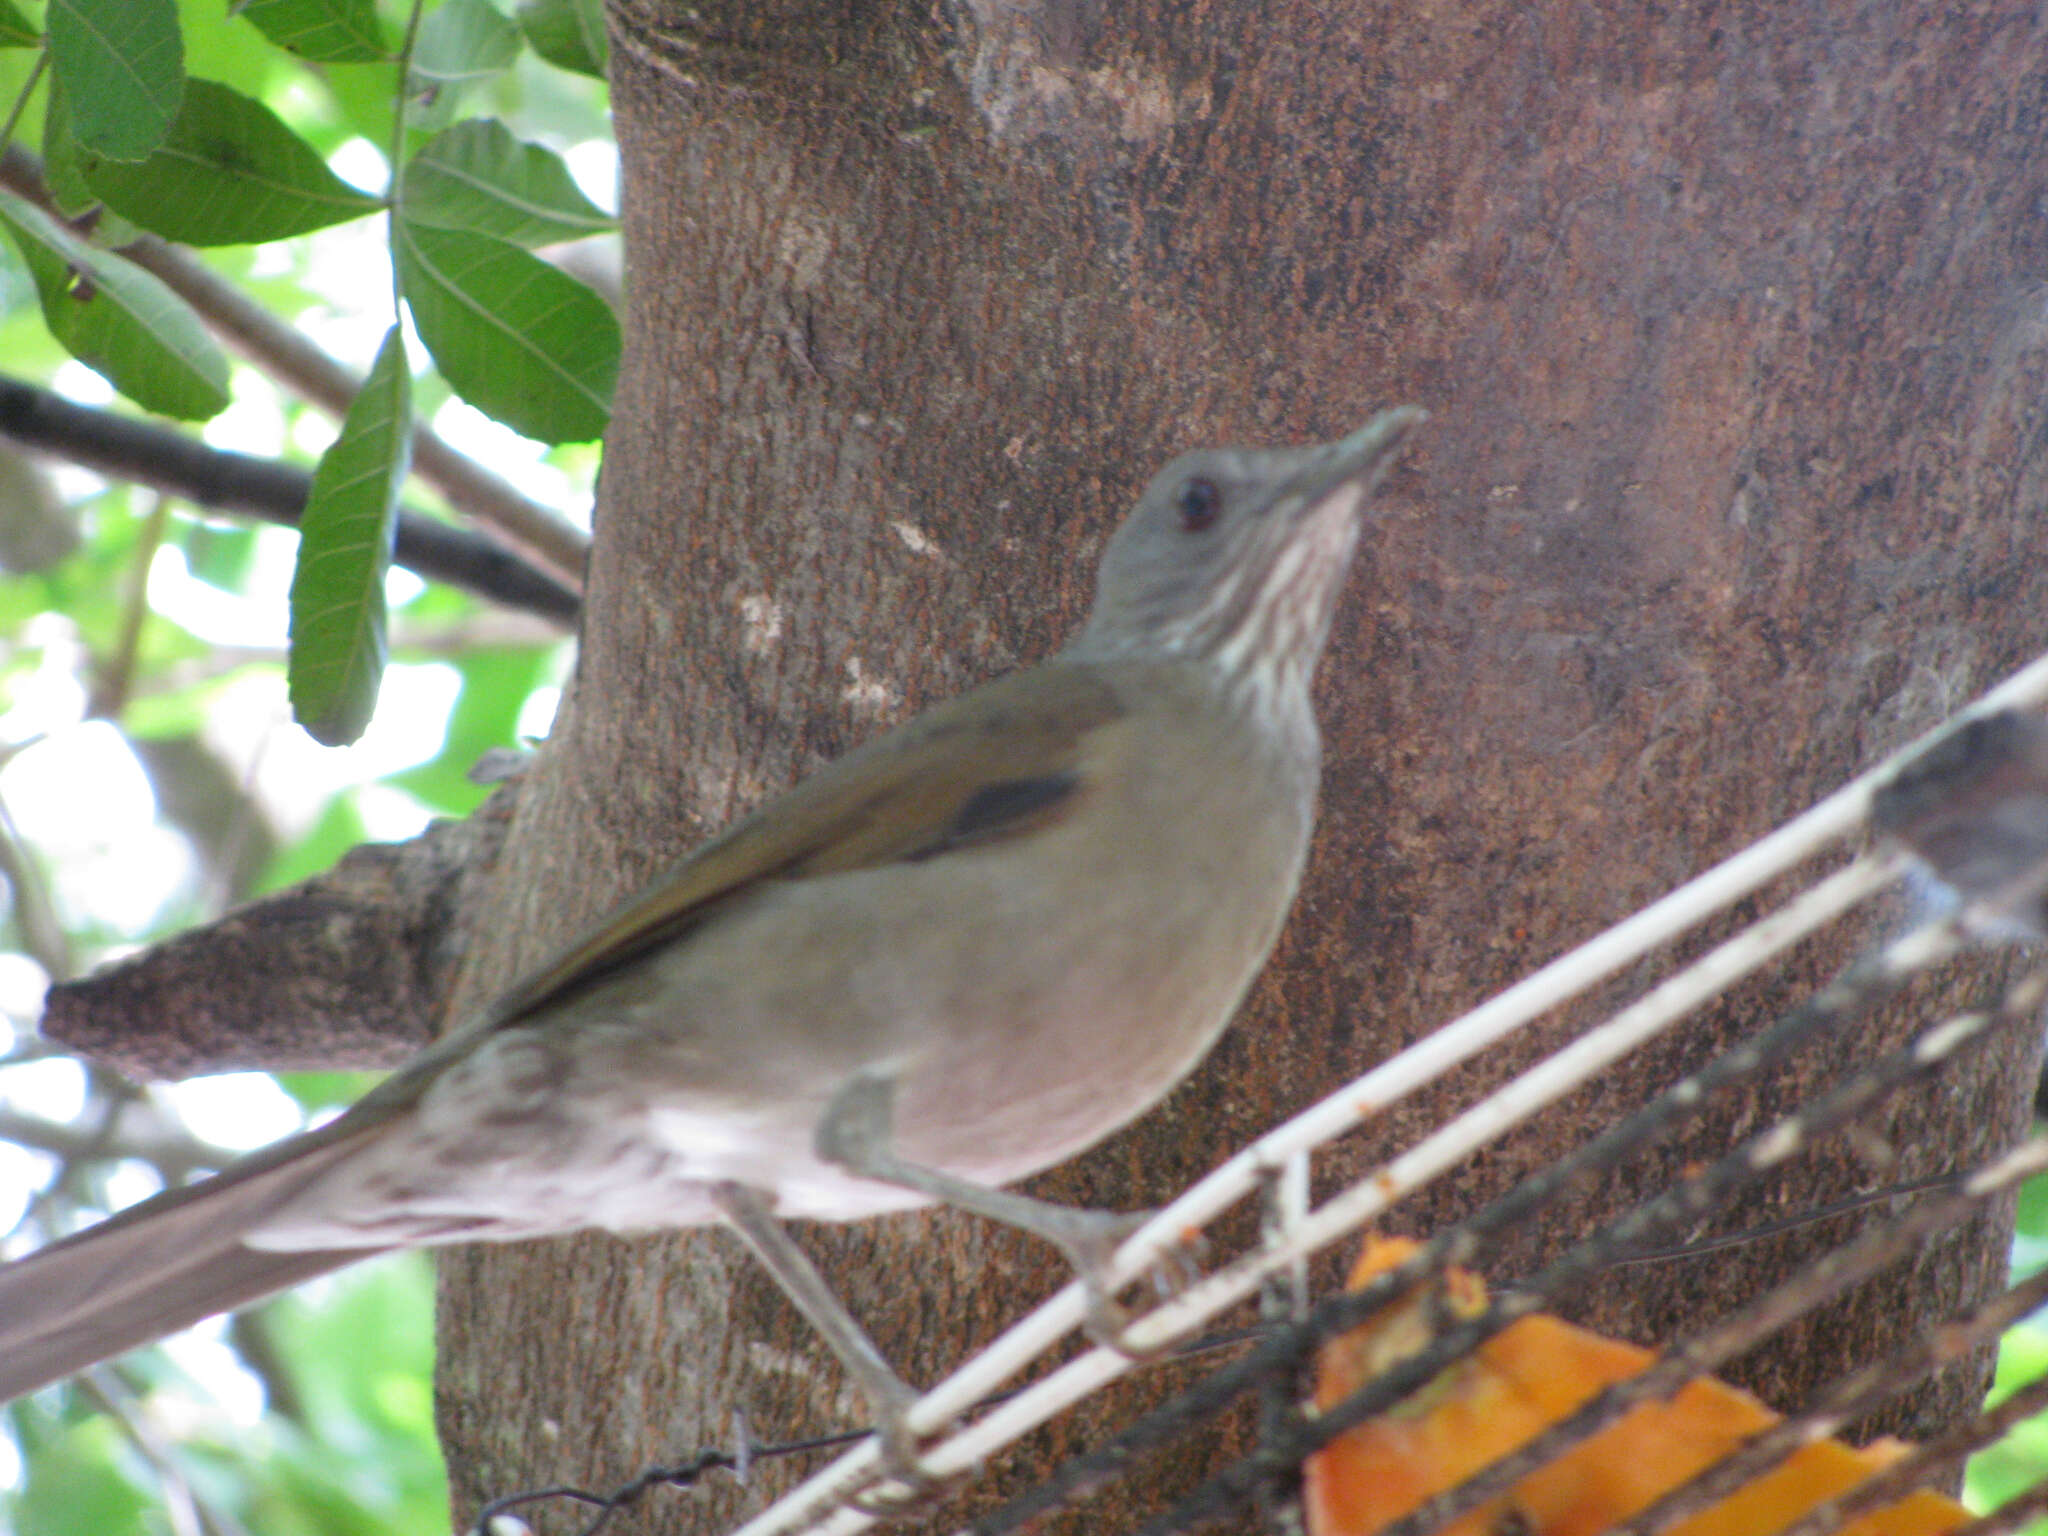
x=1731, y=319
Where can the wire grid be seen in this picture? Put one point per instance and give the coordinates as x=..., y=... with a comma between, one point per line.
x=820, y=1507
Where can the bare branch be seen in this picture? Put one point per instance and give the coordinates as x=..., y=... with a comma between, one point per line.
x=115, y=674
x=349, y=969
x=129, y=448
x=34, y=915
x=137, y=1133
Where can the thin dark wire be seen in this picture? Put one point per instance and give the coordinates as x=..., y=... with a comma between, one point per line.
x=1850, y=1397
x=1739, y=1329
x=1922, y=1465
x=681, y=1475
x=2009, y=1516
x=687, y=1474
x=1864, y=984
x=1811, y=1216
x=1226, y=1491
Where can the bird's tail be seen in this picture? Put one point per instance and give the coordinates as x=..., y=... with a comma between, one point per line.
x=162, y=1265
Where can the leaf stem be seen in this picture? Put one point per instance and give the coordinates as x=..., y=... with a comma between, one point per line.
x=28, y=89
x=111, y=688
x=401, y=99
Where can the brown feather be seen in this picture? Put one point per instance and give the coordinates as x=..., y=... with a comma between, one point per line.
x=160, y=1266
x=904, y=797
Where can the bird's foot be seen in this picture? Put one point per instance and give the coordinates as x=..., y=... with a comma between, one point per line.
x=902, y=1485
x=1090, y=1240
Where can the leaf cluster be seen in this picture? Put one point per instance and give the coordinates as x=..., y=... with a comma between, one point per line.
x=137, y=144
x=312, y=157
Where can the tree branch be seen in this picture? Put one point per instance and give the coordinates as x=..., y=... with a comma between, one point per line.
x=172, y=1151
x=349, y=969
x=35, y=918
x=284, y=353
x=129, y=448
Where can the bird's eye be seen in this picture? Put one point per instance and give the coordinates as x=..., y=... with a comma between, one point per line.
x=1200, y=501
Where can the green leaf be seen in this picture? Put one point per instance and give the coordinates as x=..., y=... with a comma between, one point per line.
x=122, y=63
x=361, y=1363
x=218, y=552
x=118, y=320
x=63, y=163
x=80, y=1475
x=2016, y=1463
x=16, y=30
x=230, y=173
x=569, y=34
x=477, y=177
x=513, y=336
x=2032, y=1216
x=317, y=1091
x=462, y=42
x=338, y=828
x=338, y=643
x=496, y=682
x=321, y=31
x=343, y=1354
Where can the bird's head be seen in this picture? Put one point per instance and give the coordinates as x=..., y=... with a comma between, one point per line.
x=1235, y=557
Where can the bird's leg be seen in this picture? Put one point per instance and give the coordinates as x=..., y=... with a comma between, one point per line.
x=889, y=1396
x=857, y=1133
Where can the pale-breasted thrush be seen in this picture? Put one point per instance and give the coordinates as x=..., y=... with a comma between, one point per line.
x=960, y=954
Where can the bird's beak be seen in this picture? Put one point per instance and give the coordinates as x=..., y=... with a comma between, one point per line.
x=1355, y=462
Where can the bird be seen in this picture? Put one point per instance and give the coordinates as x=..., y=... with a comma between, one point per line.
x=964, y=952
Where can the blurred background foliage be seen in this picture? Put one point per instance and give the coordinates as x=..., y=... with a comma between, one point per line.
x=151, y=775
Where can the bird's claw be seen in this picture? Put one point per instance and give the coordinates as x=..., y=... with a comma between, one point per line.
x=1090, y=1247
x=902, y=1485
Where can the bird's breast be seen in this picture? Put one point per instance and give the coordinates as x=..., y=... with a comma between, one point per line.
x=1115, y=951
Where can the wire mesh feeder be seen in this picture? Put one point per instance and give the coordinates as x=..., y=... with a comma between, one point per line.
x=1969, y=803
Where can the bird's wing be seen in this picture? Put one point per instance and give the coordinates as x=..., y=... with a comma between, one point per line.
x=1002, y=761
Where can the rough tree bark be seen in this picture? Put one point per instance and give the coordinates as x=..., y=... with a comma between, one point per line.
x=1731, y=318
